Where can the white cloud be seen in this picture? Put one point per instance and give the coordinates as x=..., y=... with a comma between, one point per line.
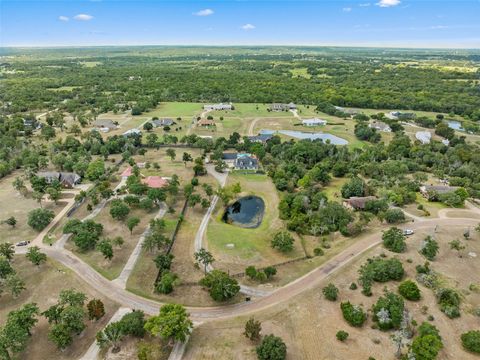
x=248, y=27
x=83, y=17
x=63, y=18
x=204, y=12
x=347, y=9
x=388, y=3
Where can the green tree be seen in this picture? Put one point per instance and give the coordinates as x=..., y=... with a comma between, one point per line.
x=426, y=347
x=393, y=216
x=38, y=219
x=354, y=187
x=186, y=157
x=353, y=314
x=11, y=221
x=204, y=257
x=5, y=268
x=429, y=248
x=221, y=286
x=272, y=348
x=119, y=210
x=409, y=290
x=342, y=335
x=172, y=323
x=252, y=329
x=163, y=261
x=7, y=250
x=133, y=323
x=132, y=223
x=110, y=337
x=105, y=247
x=471, y=341
x=283, y=241
x=95, y=170
x=166, y=283
x=54, y=194
x=14, y=284
x=35, y=255
x=330, y=292
x=394, y=240
x=171, y=154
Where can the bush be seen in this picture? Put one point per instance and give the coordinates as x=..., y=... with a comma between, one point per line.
x=272, y=348
x=394, y=240
x=318, y=252
x=270, y=271
x=388, y=311
x=393, y=216
x=166, y=283
x=409, y=290
x=353, y=314
x=38, y=219
x=330, y=292
x=471, y=341
x=429, y=248
x=379, y=270
x=221, y=286
x=353, y=286
x=133, y=323
x=428, y=343
x=342, y=335
x=251, y=272
x=449, y=302
x=283, y=241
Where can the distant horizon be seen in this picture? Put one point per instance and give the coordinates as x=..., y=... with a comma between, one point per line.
x=416, y=24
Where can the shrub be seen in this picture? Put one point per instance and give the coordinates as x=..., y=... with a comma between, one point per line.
x=449, y=302
x=342, y=335
x=388, y=311
x=283, y=241
x=272, y=348
x=427, y=344
x=353, y=314
x=166, y=283
x=409, y=290
x=353, y=286
x=133, y=323
x=270, y=271
x=429, y=248
x=394, y=240
x=220, y=285
x=393, y=216
x=251, y=272
x=38, y=219
x=318, y=252
x=330, y=292
x=379, y=270
x=471, y=341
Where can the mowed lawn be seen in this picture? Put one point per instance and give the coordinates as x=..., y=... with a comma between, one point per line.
x=12, y=203
x=111, y=269
x=251, y=246
x=43, y=285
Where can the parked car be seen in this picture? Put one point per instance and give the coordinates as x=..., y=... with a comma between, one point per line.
x=407, y=232
x=23, y=243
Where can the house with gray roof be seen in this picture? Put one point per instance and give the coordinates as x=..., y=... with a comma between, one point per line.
x=218, y=107
x=245, y=162
x=162, y=122
x=282, y=107
x=66, y=179
x=260, y=138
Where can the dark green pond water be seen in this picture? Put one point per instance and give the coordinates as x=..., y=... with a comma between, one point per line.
x=246, y=212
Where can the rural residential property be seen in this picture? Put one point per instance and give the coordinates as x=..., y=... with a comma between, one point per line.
x=240, y=180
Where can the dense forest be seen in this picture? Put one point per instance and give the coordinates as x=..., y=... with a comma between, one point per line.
x=105, y=79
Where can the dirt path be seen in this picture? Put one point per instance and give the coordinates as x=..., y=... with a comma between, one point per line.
x=252, y=127
x=132, y=260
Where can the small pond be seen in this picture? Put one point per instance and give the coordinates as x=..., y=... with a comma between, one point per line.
x=335, y=140
x=455, y=125
x=246, y=212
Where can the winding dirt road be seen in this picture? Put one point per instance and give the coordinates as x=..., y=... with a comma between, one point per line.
x=198, y=314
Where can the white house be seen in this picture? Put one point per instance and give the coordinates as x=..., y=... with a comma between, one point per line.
x=132, y=132
x=218, y=107
x=380, y=126
x=314, y=122
x=423, y=136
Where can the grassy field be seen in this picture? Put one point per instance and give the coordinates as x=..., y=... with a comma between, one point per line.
x=14, y=204
x=251, y=246
x=43, y=285
x=111, y=229
x=308, y=319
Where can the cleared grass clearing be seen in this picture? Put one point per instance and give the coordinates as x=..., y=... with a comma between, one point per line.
x=14, y=204
x=251, y=246
x=308, y=319
x=43, y=284
x=111, y=229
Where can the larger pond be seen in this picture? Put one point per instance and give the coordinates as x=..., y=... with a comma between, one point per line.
x=335, y=140
x=246, y=212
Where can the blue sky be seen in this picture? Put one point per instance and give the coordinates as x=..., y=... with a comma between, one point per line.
x=394, y=23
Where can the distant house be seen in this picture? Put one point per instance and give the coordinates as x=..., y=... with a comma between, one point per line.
x=218, y=107
x=132, y=132
x=357, y=202
x=245, y=162
x=380, y=126
x=127, y=173
x=260, y=138
x=66, y=179
x=155, y=182
x=432, y=191
x=32, y=123
x=423, y=136
x=205, y=123
x=105, y=124
x=398, y=115
x=282, y=107
x=314, y=122
x=162, y=122
x=240, y=161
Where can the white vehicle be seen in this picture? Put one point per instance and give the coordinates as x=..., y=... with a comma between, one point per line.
x=23, y=243
x=407, y=232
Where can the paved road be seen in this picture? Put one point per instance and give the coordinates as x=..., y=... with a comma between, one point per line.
x=308, y=281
